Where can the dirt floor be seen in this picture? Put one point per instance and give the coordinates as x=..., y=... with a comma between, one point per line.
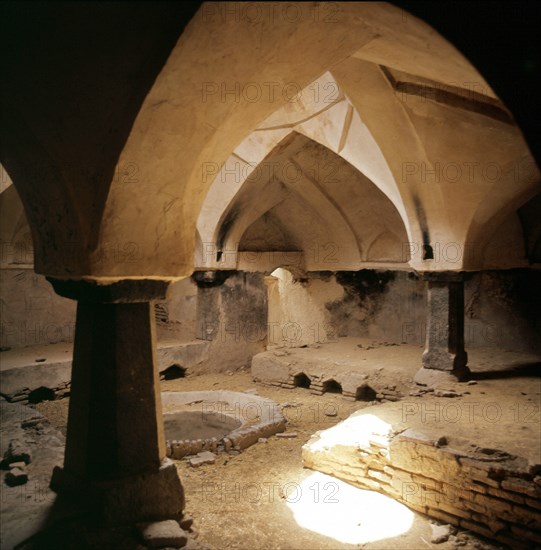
x=243, y=501
x=254, y=499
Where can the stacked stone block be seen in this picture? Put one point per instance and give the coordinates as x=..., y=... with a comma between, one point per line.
x=485, y=491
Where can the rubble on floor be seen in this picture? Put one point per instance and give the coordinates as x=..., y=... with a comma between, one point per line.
x=161, y=534
x=205, y=457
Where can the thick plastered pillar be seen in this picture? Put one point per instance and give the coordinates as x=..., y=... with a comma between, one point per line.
x=209, y=314
x=444, y=357
x=115, y=446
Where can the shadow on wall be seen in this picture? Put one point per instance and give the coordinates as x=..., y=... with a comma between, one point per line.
x=232, y=315
x=31, y=312
x=502, y=308
x=354, y=313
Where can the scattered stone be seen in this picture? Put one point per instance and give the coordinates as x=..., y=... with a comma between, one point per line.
x=17, y=398
x=281, y=353
x=234, y=453
x=186, y=522
x=15, y=477
x=163, y=533
x=21, y=465
x=446, y=393
x=40, y=360
x=471, y=383
x=17, y=452
x=204, y=457
x=440, y=533
x=393, y=398
x=52, y=441
x=287, y=435
x=289, y=404
x=39, y=428
x=441, y=441
x=30, y=423
x=262, y=440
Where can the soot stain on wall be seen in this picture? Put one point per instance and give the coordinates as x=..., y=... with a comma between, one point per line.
x=360, y=302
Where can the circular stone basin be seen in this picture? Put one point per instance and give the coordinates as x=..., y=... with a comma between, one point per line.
x=198, y=425
x=217, y=421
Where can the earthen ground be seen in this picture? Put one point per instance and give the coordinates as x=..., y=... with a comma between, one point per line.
x=224, y=520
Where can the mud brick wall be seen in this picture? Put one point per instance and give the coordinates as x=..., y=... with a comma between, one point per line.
x=486, y=491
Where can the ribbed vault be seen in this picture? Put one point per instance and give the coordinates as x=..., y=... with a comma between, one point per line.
x=304, y=198
x=382, y=91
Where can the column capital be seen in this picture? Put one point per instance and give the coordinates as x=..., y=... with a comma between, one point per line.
x=211, y=278
x=120, y=292
x=443, y=276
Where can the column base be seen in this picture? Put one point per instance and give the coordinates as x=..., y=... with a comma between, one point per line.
x=444, y=360
x=433, y=377
x=151, y=496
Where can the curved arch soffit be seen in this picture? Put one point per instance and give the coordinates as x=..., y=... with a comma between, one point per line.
x=321, y=113
x=324, y=230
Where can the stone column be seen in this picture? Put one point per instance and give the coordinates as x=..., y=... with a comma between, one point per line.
x=115, y=448
x=444, y=357
x=209, y=306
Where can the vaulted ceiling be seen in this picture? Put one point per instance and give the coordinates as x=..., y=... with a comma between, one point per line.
x=356, y=134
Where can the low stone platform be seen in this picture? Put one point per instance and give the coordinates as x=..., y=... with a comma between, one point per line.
x=359, y=368
x=364, y=369
x=44, y=372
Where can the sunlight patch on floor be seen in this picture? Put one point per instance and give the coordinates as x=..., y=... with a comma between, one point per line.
x=333, y=508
